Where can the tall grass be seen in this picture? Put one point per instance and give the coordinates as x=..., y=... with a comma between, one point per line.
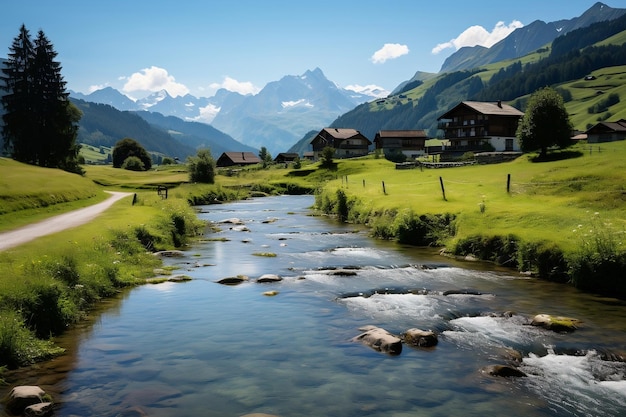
x=53, y=282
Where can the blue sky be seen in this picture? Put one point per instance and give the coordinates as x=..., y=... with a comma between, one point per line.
x=195, y=47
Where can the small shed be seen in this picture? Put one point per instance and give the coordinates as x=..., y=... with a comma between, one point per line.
x=229, y=159
x=607, y=132
x=284, y=157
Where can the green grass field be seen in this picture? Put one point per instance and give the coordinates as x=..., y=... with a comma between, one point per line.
x=546, y=200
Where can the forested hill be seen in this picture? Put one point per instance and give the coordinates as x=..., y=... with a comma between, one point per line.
x=569, y=58
x=103, y=125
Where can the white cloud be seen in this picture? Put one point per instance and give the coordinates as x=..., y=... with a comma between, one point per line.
x=207, y=113
x=241, y=87
x=389, y=51
x=154, y=79
x=295, y=103
x=478, y=35
x=96, y=87
x=370, y=89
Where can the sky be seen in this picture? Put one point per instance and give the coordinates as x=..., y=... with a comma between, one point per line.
x=196, y=47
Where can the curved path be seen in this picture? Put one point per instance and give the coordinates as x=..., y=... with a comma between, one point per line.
x=58, y=223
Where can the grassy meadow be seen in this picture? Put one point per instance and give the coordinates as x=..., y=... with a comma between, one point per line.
x=545, y=201
x=569, y=210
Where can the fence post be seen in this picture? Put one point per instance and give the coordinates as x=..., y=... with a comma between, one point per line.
x=443, y=190
x=363, y=183
x=384, y=191
x=508, y=183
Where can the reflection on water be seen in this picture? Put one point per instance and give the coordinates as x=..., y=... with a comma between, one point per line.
x=201, y=348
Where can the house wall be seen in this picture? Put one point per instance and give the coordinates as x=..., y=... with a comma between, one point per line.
x=500, y=144
x=605, y=137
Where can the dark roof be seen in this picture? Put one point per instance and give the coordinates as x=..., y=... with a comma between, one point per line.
x=242, y=157
x=402, y=134
x=496, y=108
x=286, y=156
x=341, y=133
x=606, y=127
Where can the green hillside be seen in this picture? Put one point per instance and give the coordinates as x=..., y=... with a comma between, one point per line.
x=513, y=81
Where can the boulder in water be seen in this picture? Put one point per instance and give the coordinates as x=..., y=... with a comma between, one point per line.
x=555, y=323
x=380, y=339
x=24, y=396
x=503, y=371
x=420, y=338
x=233, y=280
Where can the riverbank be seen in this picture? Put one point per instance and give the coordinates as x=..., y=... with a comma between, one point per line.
x=560, y=220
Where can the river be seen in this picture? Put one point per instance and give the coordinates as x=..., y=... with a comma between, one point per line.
x=199, y=348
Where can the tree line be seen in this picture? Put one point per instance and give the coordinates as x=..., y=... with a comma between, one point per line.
x=40, y=124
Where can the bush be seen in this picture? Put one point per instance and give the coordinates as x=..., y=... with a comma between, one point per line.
x=499, y=249
x=423, y=230
x=546, y=260
x=600, y=263
x=132, y=163
x=202, y=167
x=128, y=147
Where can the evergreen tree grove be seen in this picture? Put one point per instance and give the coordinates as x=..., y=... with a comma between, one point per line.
x=40, y=123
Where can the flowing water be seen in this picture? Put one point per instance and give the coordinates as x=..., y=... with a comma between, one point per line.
x=200, y=348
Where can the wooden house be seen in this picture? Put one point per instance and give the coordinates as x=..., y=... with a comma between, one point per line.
x=285, y=157
x=607, y=132
x=412, y=143
x=229, y=159
x=348, y=143
x=481, y=126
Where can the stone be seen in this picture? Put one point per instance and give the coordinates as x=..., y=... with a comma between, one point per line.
x=268, y=278
x=179, y=278
x=23, y=396
x=170, y=253
x=503, y=371
x=380, y=339
x=233, y=220
x=233, y=280
x=420, y=338
x=270, y=293
x=39, y=410
x=555, y=323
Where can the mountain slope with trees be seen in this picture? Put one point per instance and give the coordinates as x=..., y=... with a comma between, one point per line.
x=598, y=46
x=103, y=125
x=527, y=39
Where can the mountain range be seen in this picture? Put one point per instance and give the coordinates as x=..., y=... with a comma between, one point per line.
x=285, y=113
x=274, y=118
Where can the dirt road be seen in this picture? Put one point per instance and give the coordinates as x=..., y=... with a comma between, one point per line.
x=58, y=223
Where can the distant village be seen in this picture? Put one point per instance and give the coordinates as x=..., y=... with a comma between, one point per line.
x=486, y=129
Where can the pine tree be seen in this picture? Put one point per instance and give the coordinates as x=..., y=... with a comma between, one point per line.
x=17, y=129
x=40, y=124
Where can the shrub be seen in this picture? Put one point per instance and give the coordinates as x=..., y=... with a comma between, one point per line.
x=600, y=263
x=202, y=167
x=342, y=205
x=18, y=345
x=546, y=260
x=132, y=163
x=499, y=249
x=423, y=230
x=128, y=147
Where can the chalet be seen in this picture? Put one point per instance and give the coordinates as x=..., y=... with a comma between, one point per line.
x=229, y=159
x=607, y=132
x=481, y=126
x=285, y=157
x=411, y=143
x=348, y=143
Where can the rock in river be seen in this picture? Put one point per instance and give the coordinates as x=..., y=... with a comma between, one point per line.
x=380, y=339
x=420, y=338
x=555, y=323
